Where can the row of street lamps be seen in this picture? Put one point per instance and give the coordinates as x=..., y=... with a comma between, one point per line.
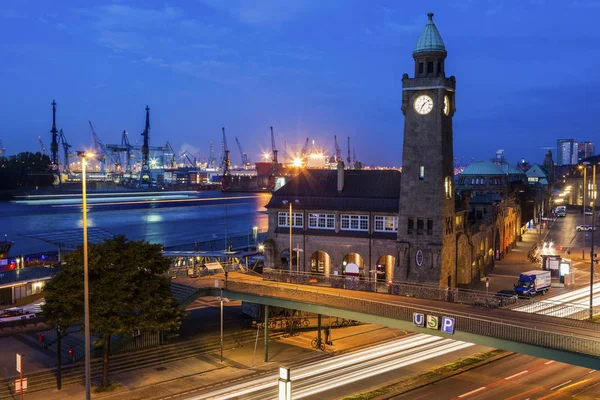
x=592, y=193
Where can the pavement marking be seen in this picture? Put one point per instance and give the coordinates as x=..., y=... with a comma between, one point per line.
x=472, y=391
x=515, y=375
x=562, y=384
x=549, y=362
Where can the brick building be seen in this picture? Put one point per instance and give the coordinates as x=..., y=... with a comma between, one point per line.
x=410, y=226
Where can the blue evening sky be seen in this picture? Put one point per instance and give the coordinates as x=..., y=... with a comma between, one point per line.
x=527, y=72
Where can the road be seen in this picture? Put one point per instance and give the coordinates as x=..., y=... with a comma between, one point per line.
x=517, y=377
x=346, y=374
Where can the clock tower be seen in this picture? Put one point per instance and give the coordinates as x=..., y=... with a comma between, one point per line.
x=426, y=237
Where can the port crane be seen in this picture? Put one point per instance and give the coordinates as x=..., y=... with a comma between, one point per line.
x=348, y=158
x=245, y=161
x=145, y=174
x=338, y=152
x=54, y=142
x=66, y=146
x=190, y=157
x=101, y=151
x=226, y=163
x=304, y=151
x=42, y=147
x=274, y=149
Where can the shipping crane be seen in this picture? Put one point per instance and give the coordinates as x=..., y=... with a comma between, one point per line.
x=245, y=161
x=338, y=152
x=211, y=157
x=54, y=142
x=304, y=151
x=170, y=153
x=42, y=147
x=145, y=174
x=226, y=163
x=273, y=147
x=348, y=158
x=65, y=145
x=190, y=157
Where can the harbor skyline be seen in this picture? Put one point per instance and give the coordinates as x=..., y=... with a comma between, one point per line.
x=309, y=69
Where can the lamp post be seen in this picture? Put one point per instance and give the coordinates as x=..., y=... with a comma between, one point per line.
x=222, y=299
x=592, y=256
x=291, y=223
x=584, y=167
x=86, y=301
x=298, y=250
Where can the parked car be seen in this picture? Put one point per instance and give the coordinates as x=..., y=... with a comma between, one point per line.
x=589, y=212
x=585, y=228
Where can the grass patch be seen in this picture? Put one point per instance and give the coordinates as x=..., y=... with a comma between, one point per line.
x=106, y=389
x=420, y=378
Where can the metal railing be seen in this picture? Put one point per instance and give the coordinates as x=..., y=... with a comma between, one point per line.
x=535, y=305
x=578, y=341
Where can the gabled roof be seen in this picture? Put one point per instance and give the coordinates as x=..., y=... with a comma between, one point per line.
x=483, y=168
x=430, y=39
x=536, y=172
x=364, y=190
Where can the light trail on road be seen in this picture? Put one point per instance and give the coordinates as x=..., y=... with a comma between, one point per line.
x=567, y=303
x=324, y=375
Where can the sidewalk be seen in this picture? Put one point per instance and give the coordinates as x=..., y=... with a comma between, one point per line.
x=206, y=369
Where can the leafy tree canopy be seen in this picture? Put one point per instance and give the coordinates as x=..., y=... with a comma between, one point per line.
x=128, y=289
x=25, y=170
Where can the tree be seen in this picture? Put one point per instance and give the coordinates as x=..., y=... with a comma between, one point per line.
x=129, y=290
x=25, y=170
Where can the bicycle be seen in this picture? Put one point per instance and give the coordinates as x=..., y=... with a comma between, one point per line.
x=317, y=343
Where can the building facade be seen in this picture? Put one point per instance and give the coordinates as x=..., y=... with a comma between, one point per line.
x=566, y=152
x=415, y=226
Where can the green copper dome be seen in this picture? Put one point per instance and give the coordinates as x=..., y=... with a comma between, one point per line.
x=430, y=39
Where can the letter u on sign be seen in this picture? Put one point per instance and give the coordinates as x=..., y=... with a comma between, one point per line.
x=419, y=319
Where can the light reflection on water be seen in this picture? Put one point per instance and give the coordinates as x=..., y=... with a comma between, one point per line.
x=166, y=225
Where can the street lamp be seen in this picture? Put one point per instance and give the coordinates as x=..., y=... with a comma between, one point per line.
x=291, y=223
x=86, y=300
x=592, y=256
x=584, y=167
x=226, y=300
x=298, y=250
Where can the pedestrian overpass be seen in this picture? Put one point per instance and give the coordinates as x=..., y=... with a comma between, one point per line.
x=560, y=339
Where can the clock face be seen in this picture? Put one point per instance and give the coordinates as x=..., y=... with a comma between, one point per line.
x=423, y=104
x=446, y=105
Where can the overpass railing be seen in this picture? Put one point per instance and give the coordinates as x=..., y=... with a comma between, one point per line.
x=536, y=305
x=576, y=341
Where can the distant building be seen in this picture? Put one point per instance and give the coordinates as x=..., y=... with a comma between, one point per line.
x=585, y=150
x=566, y=152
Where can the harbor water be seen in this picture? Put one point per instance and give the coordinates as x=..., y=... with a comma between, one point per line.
x=169, y=219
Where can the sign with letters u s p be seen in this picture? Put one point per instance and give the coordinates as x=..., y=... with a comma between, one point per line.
x=448, y=325
x=419, y=319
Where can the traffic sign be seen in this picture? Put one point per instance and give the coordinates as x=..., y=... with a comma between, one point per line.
x=448, y=325
x=419, y=319
x=20, y=385
x=433, y=321
x=487, y=282
x=19, y=357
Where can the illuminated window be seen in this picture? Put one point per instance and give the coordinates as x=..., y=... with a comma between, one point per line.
x=386, y=223
x=354, y=222
x=448, y=187
x=283, y=220
x=421, y=172
x=321, y=221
